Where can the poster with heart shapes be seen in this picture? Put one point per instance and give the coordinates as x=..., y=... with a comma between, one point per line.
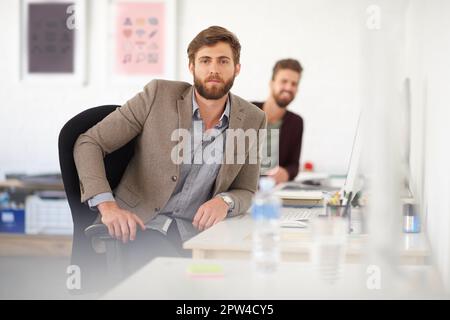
x=140, y=45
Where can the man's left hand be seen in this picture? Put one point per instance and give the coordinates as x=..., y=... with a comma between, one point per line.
x=210, y=213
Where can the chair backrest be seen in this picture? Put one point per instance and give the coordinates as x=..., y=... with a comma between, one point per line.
x=116, y=162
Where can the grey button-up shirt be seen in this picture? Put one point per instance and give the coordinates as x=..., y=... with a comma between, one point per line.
x=197, y=178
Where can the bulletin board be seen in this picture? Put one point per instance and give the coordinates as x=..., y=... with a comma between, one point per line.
x=53, y=40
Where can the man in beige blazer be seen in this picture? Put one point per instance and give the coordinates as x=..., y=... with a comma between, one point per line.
x=173, y=201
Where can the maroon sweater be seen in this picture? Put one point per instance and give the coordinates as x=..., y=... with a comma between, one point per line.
x=290, y=145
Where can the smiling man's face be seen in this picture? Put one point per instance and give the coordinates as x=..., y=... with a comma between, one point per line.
x=284, y=86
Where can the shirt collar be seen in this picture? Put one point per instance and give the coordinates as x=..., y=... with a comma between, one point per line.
x=196, y=110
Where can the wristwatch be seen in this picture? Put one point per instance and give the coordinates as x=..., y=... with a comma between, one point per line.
x=228, y=200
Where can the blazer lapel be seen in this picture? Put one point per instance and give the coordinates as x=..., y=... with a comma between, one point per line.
x=184, y=109
x=184, y=105
x=237, y=117
x=237, y=114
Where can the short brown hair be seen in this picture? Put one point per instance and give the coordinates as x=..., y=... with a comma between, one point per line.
x=290, y=64
x=210, y=37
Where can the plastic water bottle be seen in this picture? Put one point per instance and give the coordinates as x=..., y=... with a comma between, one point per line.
x=266, y=235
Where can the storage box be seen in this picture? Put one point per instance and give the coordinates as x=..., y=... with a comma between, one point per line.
x=47, y=216
x=12, y=220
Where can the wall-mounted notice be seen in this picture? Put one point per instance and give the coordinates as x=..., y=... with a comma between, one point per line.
x=142, y=40
x=140, y=46
x=52, y=40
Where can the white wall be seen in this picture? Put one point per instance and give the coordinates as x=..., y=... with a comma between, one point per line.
x=428, y=60
x=32, y=115
x=323, y=35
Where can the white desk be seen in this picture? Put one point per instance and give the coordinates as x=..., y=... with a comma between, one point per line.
x=231, y=239
x=167, y=278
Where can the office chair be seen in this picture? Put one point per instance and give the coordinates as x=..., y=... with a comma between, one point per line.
x=98, y=270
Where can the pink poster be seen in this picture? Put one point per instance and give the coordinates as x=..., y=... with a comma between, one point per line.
x=140, y=38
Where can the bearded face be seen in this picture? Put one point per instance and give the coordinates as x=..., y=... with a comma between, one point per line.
x=214, y=70
x=213, y=87
x=283, y=98
x=284, y=87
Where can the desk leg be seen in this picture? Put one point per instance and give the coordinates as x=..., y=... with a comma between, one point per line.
x=198, y=254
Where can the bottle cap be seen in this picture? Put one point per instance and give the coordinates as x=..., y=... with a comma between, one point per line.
x=408, y=210
x=266, y=184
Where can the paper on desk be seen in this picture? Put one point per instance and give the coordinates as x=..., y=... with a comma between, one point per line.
x=303, y=176
x=300, y=194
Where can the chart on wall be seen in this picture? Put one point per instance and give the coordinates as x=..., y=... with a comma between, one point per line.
x=140, y=45
x=52, y=41
x=51, y=45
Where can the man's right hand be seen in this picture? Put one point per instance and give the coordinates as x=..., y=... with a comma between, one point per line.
x=121, y=223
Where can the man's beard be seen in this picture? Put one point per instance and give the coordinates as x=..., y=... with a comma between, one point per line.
x=215, y=92
x=283, y=103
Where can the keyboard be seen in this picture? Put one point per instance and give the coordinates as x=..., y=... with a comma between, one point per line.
x=296, y=214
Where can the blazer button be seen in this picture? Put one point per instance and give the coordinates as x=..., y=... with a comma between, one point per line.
x=174, y=178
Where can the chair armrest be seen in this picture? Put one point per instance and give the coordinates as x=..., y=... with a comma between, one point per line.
x=103, y=243
x=98, y=234
x=97, y=230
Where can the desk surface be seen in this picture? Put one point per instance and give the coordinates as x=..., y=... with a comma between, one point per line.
x=168, y=278
x=232, y=239
x=35, y=245
x=18, y=184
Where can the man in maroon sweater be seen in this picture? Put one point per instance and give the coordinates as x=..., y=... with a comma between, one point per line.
x=283, y=88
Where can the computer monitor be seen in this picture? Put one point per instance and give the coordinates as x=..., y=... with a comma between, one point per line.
x=406, y=134
x=354, y=163
x=308, y=192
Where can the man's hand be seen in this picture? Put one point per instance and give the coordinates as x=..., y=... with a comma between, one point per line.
x=279, y=174
x=121, y=223
x=210, y=213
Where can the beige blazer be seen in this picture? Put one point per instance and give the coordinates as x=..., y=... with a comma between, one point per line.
x=151, y=176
